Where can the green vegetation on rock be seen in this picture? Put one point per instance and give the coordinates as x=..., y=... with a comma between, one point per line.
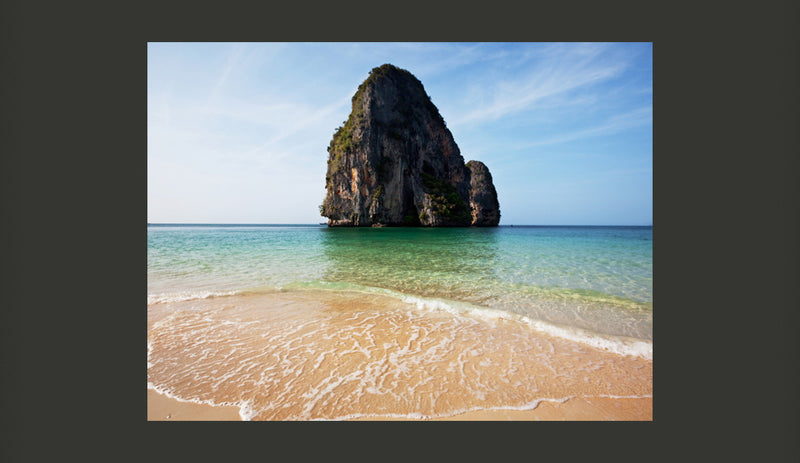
x=378, y=193
x=445, y=199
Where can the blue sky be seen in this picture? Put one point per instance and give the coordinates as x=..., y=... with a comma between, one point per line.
x=237, y=132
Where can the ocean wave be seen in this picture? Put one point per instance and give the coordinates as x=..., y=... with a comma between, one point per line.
x=186, y=296
x=620, y=345
x=615, y=344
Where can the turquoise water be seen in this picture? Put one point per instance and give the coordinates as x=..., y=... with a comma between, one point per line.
x=598, y=280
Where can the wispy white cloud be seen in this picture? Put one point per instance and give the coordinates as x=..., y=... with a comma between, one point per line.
x=449, y=57
x=232, y=65
x=234, y=60
x=304, y=117
x=544, y=82
x=615, y=124
x=516, y=78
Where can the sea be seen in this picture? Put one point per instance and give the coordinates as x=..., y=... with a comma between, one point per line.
x=307, y=322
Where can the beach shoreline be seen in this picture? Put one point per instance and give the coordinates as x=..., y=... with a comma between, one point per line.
x=163, y=408
x=312, y=355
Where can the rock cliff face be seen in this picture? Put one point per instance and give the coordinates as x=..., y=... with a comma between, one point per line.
x=395, y=163
x=482, y=196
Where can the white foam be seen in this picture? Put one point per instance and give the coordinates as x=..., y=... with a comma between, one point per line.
x=633, y=347
x=617, y=345
x=533, y=404
x=149, y=353
x=354, y=416
x=420, y=416
x=246, y=411
x=185, y=296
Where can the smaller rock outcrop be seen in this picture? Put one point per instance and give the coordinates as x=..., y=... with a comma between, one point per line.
x=482, y=196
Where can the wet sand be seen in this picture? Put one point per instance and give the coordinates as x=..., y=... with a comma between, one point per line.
x=163, y=408
x=355, y=357
x=576, y=409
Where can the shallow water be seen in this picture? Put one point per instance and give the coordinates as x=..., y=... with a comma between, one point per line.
x=594, y=278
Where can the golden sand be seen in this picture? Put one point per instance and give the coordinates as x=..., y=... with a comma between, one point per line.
x=163, y=408
x=306, y=356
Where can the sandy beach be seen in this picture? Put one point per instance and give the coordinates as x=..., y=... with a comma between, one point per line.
x=346, y=356
x=163, y=408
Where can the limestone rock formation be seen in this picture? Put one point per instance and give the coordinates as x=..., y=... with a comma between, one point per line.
x=482, y=196
x=395, y=163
